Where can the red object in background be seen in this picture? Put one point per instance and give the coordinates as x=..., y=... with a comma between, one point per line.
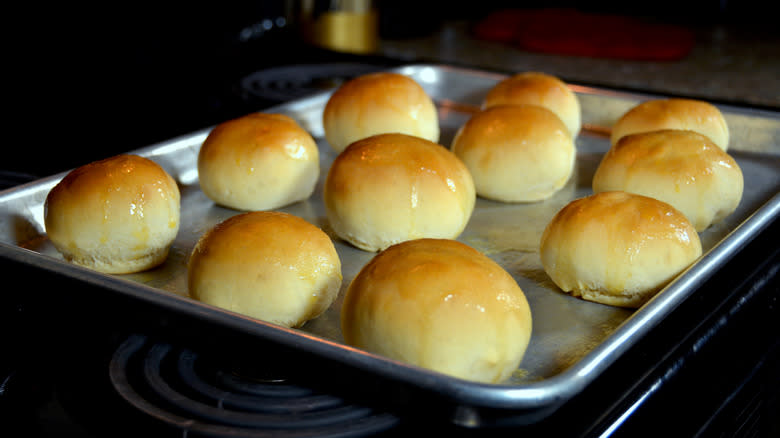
x=571, y=32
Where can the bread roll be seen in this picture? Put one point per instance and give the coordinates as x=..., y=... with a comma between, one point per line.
x=684, y=114
x=541, y=89
x=258, y=162
x=441, y=305
x=379, y=103
x=682, y=168
x=617, y=248
x=389, y=188
x=516, y=153
x=119, y=215
x=271, y=266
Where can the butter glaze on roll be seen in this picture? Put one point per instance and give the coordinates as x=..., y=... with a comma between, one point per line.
x=682, y=114
x=390, y=188
x=516, y=153
x=258, y=161
x=379, y=103
x=119, y=215
x=682, y=168
x=617, y=248
x=272, y=266
x=541, y=89
x=441, y=305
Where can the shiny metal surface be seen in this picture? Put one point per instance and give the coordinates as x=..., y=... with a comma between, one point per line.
x=573, y=340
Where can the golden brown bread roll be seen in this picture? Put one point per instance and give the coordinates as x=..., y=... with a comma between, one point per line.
x=119, y=215
x=379, y=103
x=516, y=153
x=441, y=305
x=683, y=114
x=617, y=248
x=541, y=89
x=272, y=266
x=389, y=188
x=682, y=168
x=258, y=161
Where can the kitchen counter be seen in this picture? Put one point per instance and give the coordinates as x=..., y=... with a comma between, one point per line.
x=726, y=65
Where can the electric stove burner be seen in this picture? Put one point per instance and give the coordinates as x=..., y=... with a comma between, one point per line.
x=190, y=393
x=296, y=81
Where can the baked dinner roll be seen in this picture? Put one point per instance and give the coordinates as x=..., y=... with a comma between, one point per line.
x=516, y=153
x=389, y=188
x=442, y=305
x=617, y=248
x=271, y=266
x=118, y=215
x=379, y=103
x=682, y=168
x=684, y=114
x=258, y=161
x=535, y=88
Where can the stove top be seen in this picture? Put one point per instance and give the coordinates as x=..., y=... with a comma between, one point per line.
x=66, y=375
x=153, y=388
x=196, y=394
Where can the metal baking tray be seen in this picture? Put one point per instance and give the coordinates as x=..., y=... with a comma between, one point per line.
x=573, y=340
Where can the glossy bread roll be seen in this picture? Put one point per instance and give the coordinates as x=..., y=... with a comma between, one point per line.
x=271, y=266
x=541, y=89
x=258, y=161
x=389, y=188
x=379, y=103
x=684, y=114
x=516, y=153
x=119, y=215
x=617, y=248
x=682, y=168
x=441, y=305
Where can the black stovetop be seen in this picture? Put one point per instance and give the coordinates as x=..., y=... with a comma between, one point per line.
x=64, y=375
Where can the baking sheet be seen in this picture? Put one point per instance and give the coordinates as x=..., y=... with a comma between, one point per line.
x=573, y=340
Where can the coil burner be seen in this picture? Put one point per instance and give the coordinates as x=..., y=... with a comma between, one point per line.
x=190, y=394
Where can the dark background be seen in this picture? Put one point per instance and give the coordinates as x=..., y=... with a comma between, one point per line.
x=86, y=82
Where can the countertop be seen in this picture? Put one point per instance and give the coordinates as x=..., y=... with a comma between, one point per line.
x=726, y=64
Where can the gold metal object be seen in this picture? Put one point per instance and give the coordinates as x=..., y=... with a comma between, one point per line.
x=345, y=25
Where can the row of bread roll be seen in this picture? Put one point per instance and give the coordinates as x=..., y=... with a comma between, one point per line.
x=121, y=214
x=666, y=177
x=268, y=265
x=391, y=181
x=674, y=150
x=424, y=299
x=520, y=147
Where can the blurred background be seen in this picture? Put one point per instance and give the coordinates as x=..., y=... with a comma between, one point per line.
x=110, y=77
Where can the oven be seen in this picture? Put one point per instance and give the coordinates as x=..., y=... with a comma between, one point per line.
x=77, y=361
